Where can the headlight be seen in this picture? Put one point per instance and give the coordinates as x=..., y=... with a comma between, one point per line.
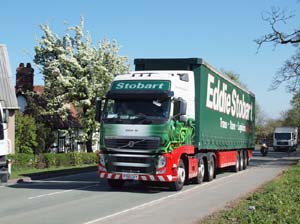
x=162, y=161
x=101, y=159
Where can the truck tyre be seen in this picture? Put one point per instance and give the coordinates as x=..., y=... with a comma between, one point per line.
x=210, y=169
x=241, y=160
x=201, y=170
x=181, y=175
x=236, y=167
x=4, y=178
x=115, y=184
x=245, y=158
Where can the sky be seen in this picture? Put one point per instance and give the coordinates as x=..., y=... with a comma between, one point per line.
x=221, y=32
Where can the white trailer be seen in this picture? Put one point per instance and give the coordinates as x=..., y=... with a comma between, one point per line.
x=285, y=138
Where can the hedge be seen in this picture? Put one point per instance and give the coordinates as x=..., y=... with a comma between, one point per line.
x=52, y=160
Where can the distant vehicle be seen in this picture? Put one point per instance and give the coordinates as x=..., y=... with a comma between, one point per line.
x=5, y=148
x=264, y=148
x=285, y=138
x=174, y=121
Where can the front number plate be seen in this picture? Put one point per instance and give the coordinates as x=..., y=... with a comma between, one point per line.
x=129, y=176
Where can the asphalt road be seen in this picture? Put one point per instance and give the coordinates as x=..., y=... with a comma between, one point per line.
x=85, y=199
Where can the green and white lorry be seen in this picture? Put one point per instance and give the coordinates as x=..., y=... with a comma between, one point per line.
x=5, y=146
x=175, y=121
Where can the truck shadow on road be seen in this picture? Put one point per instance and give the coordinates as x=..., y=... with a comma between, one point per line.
x=85, y=181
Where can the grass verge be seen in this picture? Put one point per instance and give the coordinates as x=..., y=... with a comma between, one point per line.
x=276, y=202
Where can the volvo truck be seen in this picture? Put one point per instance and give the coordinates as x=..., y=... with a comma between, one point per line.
x=174, y=121
x=5, y=146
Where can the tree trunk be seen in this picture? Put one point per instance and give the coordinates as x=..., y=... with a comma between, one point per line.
x=89, y=145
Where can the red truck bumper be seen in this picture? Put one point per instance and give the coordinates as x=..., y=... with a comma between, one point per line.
x=168, y=173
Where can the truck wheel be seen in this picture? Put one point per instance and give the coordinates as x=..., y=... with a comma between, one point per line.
x=241, y=160
x=210, y=169
x=245, y=158
x=200, y=176
x=181, y=174
x=115, y=184
x=236, y=167
x=4, y=178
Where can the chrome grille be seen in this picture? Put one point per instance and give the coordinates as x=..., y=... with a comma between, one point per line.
x=132, y=155
x=132, y=145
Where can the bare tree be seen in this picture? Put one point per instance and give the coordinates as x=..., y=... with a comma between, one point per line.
x=290, y=71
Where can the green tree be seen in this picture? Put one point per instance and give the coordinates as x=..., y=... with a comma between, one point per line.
x=292, y=116
x=76, y=73
x=45, y=124
x=25, y=134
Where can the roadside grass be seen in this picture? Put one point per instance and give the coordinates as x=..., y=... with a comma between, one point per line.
x=24, y=172
x=276, y=202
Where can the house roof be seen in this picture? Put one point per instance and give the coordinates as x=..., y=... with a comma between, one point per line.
x=39, y=89
x=7, y=91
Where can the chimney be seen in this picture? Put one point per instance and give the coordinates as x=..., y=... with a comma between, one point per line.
x=24, y=79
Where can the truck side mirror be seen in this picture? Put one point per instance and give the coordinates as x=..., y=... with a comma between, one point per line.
x=98, y=109
x=180, y=107
x=1, y=131
x=5, y=116
x=183, y=107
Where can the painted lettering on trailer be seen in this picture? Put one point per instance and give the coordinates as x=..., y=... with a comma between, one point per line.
x=219, y=99
x=232, y=126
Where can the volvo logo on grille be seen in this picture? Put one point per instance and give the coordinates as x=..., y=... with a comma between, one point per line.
x=131, y=144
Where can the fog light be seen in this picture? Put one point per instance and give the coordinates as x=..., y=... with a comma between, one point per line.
x=161, y=171
x=162, y=161
x=101, y=159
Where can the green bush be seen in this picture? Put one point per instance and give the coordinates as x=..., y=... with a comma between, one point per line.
x=62, y=160
x=23, y=160
x=25, y=133
x=75, y=158
x=89, y=158
x=52, y=160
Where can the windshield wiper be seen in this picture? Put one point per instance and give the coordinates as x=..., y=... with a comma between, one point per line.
x=117, y=119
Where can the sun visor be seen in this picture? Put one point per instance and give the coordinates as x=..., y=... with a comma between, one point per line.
x=141, y=94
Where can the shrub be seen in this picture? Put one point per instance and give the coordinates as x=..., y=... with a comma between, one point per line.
x=89, y=158
x=25, y=134
x=23, y=160
x=52, y=160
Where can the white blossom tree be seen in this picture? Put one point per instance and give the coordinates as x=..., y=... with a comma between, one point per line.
x=76, y=72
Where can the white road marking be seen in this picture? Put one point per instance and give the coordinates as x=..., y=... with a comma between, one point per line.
x=61, y=192
x=150, y=203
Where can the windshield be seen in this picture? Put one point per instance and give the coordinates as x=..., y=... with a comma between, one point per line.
x=136, y=111
x=283, y=136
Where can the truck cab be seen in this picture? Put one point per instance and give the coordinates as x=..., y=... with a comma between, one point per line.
x=285, y=138
x=4, y=146
x=140, y=110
